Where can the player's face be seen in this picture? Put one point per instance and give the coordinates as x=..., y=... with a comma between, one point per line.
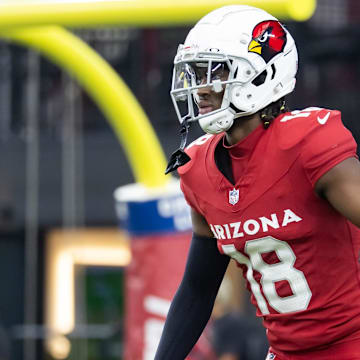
x=208, y=99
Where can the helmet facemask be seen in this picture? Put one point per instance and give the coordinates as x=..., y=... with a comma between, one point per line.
x=196, y=71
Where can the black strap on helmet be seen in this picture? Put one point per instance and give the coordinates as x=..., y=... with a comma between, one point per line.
x=179, y=157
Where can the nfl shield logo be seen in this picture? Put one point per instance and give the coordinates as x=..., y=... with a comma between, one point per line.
x=233, y=196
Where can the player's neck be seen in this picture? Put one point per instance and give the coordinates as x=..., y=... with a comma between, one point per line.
x=242, y=127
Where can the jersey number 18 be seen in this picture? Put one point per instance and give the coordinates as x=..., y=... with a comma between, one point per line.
x=272, y=273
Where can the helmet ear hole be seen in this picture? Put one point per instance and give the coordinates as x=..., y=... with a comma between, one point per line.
x=239, y=99
x=235, y=93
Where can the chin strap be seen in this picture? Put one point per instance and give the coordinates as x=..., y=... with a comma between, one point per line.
x=179, y=157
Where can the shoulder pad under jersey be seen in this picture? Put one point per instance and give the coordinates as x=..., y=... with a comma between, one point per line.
x=196, y=149
x=292, y=127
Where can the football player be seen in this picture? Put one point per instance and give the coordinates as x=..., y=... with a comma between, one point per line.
x=276, y=191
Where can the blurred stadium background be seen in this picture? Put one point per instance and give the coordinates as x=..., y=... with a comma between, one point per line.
x=61, y=162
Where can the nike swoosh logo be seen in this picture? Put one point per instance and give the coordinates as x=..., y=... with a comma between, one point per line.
x=323, y=120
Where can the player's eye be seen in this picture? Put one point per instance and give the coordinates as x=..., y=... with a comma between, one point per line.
x=200, y=75
x=218, y=71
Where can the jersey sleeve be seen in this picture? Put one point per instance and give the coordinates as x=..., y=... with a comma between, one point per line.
x=192, y=171
x=326, y=144
x=190, y=197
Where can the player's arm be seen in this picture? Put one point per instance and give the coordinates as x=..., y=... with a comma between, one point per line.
x=341, y=187
x=200, y=226
x=192, y=305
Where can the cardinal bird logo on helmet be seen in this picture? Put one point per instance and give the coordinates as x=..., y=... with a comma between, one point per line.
x=268, y=39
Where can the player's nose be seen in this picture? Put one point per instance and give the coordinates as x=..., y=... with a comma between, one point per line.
x=203, y=90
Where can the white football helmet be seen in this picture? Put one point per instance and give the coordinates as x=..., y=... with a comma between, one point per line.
x=240, y=50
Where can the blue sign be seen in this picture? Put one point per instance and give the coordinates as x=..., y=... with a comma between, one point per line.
x=161, y=215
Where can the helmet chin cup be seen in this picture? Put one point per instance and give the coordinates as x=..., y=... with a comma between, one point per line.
x=219, y=122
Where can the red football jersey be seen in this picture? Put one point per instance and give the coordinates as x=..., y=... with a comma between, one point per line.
x=299, y=256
